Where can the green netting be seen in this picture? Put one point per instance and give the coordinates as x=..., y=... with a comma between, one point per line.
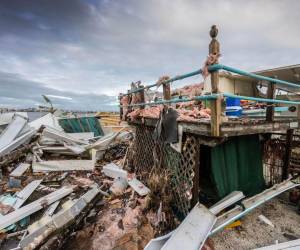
x=237, y=165
x=81, y=124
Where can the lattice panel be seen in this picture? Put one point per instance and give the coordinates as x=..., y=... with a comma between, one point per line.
x=274, y=153
x=181, y=168
x=151, y=156
x=143, y=150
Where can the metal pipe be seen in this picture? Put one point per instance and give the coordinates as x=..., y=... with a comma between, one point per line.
x=175, y=100
x=251, y=75
x=258, y=99
x=176, y=78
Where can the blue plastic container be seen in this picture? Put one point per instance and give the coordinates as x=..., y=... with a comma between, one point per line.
x=233, y=107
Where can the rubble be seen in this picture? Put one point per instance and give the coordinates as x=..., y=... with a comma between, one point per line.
x=76, y=191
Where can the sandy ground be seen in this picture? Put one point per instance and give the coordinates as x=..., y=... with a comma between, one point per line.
x=253, y=233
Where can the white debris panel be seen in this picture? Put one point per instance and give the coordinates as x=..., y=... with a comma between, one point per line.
x=33, y=207
x=63, y=165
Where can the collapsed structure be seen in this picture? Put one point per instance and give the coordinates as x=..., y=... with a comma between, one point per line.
x=214, y=138
x=192, y=162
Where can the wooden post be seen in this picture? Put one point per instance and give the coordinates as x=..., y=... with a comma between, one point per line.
x=129, y=109
x=270, y=109
x=142, y=96
x=121, y=108
x=288, y=148
x=167, y=91
x=214, y=49
x=196, y=179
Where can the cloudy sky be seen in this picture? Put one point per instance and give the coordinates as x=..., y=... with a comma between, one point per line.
x=84, y=52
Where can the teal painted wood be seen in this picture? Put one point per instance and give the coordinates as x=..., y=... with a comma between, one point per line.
x=176, y=78
x=175, y=100
x=258, y=99
x=81, y=124
x=252, y=75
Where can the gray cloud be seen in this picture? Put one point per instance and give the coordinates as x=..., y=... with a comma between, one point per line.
x=19, y=92
x=99, y=46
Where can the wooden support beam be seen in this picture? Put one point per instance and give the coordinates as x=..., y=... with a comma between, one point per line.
x=121, y=108
x=167, y=91
x=142, y=96
x=196, y=179
x=216, y=109
x=288, y=148
x=270, y=107
x=216, y=112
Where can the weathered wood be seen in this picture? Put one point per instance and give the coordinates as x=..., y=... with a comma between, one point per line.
x=167, y=91
x=230, y=128
x=270, y=107
x=288, y=148
x=216, y=117
x=142, y=96
x=121, y=107
x=214, y=50
x=196, y=179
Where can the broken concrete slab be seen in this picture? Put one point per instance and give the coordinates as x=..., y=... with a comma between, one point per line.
x=63, y=165
x=193, y=231
x=33, y=207
x=19, y=170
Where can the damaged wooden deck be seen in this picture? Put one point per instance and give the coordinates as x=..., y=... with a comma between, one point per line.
x=231, y=127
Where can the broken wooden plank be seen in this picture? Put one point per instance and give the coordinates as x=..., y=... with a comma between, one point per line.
x=114, y=171
x=193, y=231
x=12, y=130
x=71, y=209
x=63, y=165
x=227, y=201
x=24, y=194
x=33, y=207
x=289, y=245
x=17, y=142
x=19, y=170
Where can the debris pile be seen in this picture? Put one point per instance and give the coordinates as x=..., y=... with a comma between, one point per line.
x=50, y=179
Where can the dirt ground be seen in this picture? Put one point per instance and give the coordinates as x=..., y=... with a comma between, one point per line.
x=253, y=233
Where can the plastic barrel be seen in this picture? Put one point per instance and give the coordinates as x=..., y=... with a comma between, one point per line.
x=233, y=107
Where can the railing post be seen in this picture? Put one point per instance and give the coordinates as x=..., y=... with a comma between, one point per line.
x=270, y=107
x=121, y=107
x=142, y=96
x=288, y=151
x=129, y=109
x=214, y=50
x=167, y=91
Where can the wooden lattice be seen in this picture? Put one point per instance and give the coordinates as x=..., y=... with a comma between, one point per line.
x=151, y=156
